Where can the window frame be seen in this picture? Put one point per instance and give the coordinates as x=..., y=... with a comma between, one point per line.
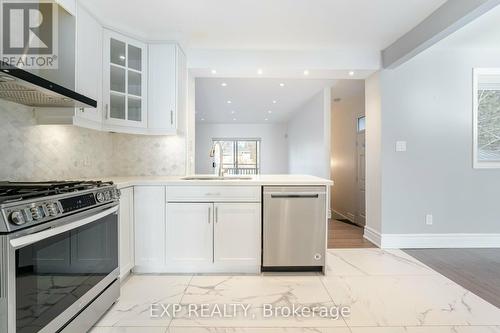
x=235, y=152
x=358, y=118
x=477, y=164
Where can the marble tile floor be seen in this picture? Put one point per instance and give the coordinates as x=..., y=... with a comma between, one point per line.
x=386, y=291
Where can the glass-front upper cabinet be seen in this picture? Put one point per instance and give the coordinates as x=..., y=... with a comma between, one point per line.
x=125, y=81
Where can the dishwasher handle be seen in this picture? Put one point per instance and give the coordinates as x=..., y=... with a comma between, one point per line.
x=294, y=195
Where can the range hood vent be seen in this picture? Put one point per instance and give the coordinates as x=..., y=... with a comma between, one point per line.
x=20, y=86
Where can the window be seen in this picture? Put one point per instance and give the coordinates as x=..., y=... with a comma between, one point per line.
x=487, y=118
x=240, y=156
x=361, y=123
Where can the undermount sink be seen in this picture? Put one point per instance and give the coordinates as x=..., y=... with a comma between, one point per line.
x=216, y=178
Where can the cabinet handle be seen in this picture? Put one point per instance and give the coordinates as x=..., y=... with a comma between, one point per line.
x=216, y=214
x=209, y=213
x=107, y=111
x=171, y=117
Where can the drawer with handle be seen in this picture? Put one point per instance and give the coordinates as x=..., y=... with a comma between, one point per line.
x=213, y=193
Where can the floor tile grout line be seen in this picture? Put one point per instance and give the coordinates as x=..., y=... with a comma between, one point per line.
x=180, y=302
x=331, y=298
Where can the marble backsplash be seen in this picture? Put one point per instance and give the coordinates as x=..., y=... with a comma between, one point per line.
x=44, y=152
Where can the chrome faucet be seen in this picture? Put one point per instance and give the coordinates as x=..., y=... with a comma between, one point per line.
x=212, y=154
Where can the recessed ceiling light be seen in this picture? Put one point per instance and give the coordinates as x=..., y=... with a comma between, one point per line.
x=228, y=102
x=260, y=71
x=202, y=119
x=224, y=84
x=306, y=72
x=266, y=119
x=214, y=71
x=282, y=84
x=274, y=102
x=351, y=73
x=269, y=111
x=233, y=112
x=234, y=119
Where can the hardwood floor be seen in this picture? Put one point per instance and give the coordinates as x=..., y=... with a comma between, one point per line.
x=477, y=270
x=342, y=235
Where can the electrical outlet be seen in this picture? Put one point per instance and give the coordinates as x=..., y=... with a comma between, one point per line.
x=429, y=219
x=86, y=161
x=400, y=146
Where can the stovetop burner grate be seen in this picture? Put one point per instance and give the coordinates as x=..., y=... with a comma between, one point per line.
x=17, y=191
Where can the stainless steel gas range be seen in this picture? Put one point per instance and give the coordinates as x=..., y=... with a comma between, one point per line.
x=58, y=255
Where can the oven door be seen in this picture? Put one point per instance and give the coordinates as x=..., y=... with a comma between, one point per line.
x=56, y=272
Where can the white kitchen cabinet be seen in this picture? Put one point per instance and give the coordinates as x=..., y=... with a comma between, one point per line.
x=149, y=228
x=126, y=231
x=237, y=234
x=167, y=87
x=124, y=83
x=212, y=193
x=213, y=229
x=88, y=68
x=189, y=234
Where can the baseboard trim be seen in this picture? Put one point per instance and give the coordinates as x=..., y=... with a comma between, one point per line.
x=373, y=236
x=431, y=241
x=340, y=215
x=422, y=241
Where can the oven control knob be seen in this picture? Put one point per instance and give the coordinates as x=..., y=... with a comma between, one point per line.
x=107, y=195
x=37, y=213
x=116, y=194
x=100, y=197
x=52, y=209
x=17, y=218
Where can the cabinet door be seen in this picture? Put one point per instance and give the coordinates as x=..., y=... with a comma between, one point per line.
x=88, y=67
x=189, y=234
x=126, y=228
x=125, y=81
x=162, y=88
x=182, y=89
x=149, y=226
x=237, y=235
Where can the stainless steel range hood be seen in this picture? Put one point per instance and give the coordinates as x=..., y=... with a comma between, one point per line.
x=20, y=86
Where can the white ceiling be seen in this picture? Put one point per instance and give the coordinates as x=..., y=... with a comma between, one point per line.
x=252, y=98
x=266, y=24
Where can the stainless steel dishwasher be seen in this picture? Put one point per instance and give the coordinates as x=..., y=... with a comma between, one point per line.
x=294, y=231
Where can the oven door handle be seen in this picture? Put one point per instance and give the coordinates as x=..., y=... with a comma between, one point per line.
x=23, y=241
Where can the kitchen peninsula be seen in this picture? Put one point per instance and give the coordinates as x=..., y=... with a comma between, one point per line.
x=205, y=224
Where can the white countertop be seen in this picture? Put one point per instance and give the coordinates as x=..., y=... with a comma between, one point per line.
x=259, y=180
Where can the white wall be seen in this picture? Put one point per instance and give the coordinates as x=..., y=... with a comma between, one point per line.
x=274, y=149
x=428, y=103
x=373, y=138
x=344, y=132
x=309, y=137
